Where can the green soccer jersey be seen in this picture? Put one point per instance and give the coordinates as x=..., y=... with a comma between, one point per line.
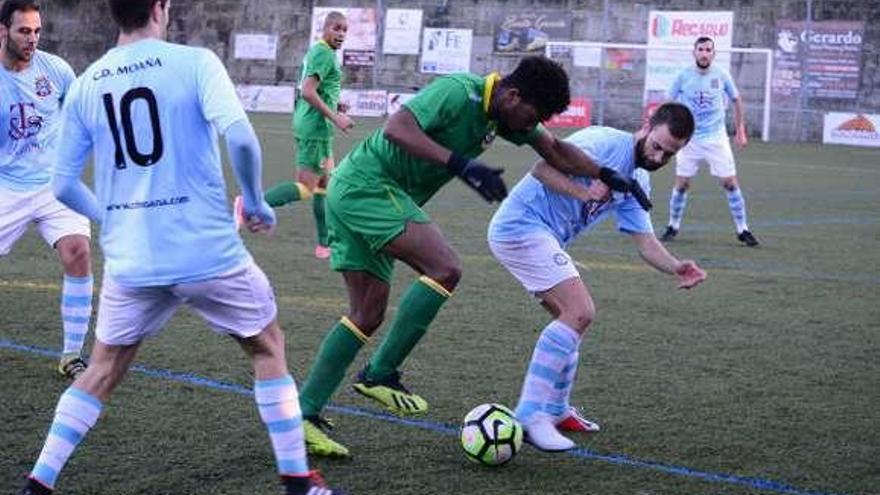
x=453, y=111
x=308, y=122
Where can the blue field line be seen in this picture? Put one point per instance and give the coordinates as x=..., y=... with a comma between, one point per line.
x=450, y=429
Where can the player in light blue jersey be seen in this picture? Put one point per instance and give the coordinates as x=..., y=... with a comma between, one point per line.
x=33, y=85
x=150, y=111
x=545, y=212
x=705, y=90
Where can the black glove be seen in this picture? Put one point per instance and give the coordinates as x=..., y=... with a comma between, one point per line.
x=480, y=177
x=617, y=182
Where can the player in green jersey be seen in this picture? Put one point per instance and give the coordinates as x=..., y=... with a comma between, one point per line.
x=374, y=217
x=318, y=110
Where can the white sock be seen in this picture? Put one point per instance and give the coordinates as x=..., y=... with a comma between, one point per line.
x=677, y=204
x=737, y=204
x=278, y=402
x=76, y=311
x=76, y=413
x=548, y=375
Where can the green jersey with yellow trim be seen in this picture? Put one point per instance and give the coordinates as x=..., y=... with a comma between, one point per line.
x=308, y=121
x=452, y=111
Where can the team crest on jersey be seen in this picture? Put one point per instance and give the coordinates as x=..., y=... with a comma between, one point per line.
x=489, y=137
x=24, y=121
x=716, y=83
x=43, y=86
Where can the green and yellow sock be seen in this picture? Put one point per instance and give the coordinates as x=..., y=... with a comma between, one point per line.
x=415, y=312
x=336, y=353
x=320, y=216
x=286, y=192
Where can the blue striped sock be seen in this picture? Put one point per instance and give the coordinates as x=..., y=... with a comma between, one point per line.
x=76, y=414
x=76, y=311
x=677, y=204
x=278, y=403
x=737, y=204
x=547, y=380
x=570, y=373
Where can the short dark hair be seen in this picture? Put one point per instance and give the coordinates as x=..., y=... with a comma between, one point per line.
x=12, y=6
x=541, y=82
x=703, y=39
x=677, y=117
x=132, y=14
x=333, y=16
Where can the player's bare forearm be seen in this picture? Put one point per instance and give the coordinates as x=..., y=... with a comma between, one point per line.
x=310, y=94
x=558, y=181
x=739, y=119
x=654, y=254
x=565, y=157
x=403, y=130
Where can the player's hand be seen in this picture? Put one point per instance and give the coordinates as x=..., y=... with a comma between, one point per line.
x=741, y=138
x=343, y=122
x=260, y=218
x=596, y=191
x=617, y=182
x=689, y=274
x=480, y=177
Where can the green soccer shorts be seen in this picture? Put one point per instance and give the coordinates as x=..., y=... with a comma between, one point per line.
x=311, y=153
x=362, y=219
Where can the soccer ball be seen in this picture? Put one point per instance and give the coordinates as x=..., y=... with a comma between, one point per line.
x=491, y=435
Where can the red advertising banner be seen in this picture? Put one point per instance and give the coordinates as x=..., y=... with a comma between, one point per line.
x=577, y=115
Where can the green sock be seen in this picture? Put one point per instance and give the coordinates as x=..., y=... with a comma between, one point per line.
x=415, y=312
x=320, y=222
x=336, y=353
x=284, y=192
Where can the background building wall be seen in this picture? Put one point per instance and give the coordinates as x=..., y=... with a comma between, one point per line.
x=80, y=30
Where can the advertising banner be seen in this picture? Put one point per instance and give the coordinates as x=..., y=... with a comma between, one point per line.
x=278, y=99
x=681, y=29
x=831, y=52
x=402, y=30
x=256, y=46
x=364, y=103
x=577, y=115
x=528, y=31
x=445, y=51
x=852, y=128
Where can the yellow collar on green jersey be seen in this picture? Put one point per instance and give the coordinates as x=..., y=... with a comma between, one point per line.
x=491, y=79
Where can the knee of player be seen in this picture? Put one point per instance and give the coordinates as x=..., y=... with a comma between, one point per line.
x=447, y=274
x=75, y=253
x=580, y=318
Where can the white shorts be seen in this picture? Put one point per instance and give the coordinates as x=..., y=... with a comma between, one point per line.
x=537, y=261
x=715, y=152
x=53, y=219
x=240, y=303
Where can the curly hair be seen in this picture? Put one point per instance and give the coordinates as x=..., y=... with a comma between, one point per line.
x=541, y=82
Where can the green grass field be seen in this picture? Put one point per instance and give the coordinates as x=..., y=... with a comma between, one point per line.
x=765, y=379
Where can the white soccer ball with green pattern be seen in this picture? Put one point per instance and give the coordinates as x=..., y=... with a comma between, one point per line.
x=491, y=435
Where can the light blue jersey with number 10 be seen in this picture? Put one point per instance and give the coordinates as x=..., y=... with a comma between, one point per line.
x=150, y=111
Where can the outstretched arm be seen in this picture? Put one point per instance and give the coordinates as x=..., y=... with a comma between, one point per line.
x=246, y=157
x=652, y=251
